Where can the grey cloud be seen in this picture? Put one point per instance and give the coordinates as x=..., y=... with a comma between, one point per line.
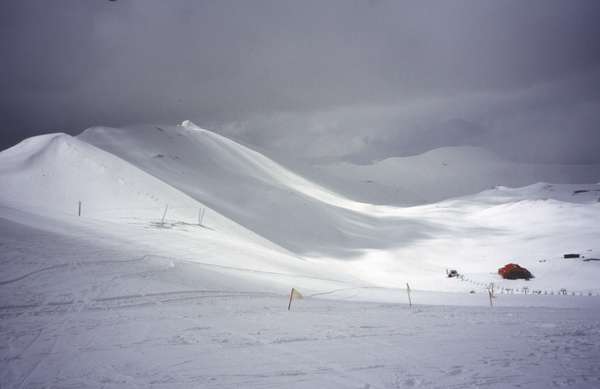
x=550, y=122
x=368, y=79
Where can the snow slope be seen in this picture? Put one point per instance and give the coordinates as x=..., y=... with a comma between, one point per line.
x=533, y=226
x=55, y=171
x=441, y=174
x=253, y=190
x=89, y=311
x=140, y=170
x=48, y=175
x=146, y=324
x=115, y=298
x=388, y=245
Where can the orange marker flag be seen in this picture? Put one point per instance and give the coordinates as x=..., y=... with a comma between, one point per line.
x=294, y=294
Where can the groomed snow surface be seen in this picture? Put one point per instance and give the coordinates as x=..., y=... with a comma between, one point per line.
x=177, y=274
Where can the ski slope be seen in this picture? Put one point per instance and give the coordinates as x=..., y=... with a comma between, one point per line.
x=387, y=245
x=251, y=189
x=93, y=312
x=49, y=175
x=119, y=297
x=129, y=178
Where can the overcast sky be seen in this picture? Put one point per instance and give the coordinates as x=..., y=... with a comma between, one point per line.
x=359, y=80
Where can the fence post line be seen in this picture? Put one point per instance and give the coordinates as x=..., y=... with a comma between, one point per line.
x=79, y=208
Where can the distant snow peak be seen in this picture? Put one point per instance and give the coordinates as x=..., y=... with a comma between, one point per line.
x=190, y=125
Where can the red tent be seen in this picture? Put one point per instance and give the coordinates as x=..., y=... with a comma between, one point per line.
x=512, y=271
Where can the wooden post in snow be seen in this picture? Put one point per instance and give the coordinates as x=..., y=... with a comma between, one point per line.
x=162, y=221
x=79, y=208
x=408, y=294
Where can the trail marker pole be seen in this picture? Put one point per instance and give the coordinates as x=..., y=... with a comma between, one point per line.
x=79, y=208
x=162, y=221
x=296, y=294
x=408, y=294
x=200, y=215
x=291, y=295
x=491, y=294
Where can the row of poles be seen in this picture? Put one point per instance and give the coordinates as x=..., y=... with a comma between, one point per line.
x=296, y=295
x=201, y=213
x=491, y=289
x=526, y=290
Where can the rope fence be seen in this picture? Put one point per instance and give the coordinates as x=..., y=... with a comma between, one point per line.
x=502, y=289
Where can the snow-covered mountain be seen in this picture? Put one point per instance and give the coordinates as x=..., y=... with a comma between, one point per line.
x=443, y=173
x=252, y=189
x=119, y=297
x=54, y=172
x=134, y=175
x=50, y=175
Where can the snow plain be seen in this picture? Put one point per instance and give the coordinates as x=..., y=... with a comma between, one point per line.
x=117, y=298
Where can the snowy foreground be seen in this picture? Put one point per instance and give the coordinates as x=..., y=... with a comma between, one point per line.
x=118, y=298
x=111, y=320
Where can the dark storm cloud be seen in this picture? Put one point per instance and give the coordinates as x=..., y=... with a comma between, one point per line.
x=354, y=79
x=549, y=122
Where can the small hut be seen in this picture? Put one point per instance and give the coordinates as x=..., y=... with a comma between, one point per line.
x=512, y=271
